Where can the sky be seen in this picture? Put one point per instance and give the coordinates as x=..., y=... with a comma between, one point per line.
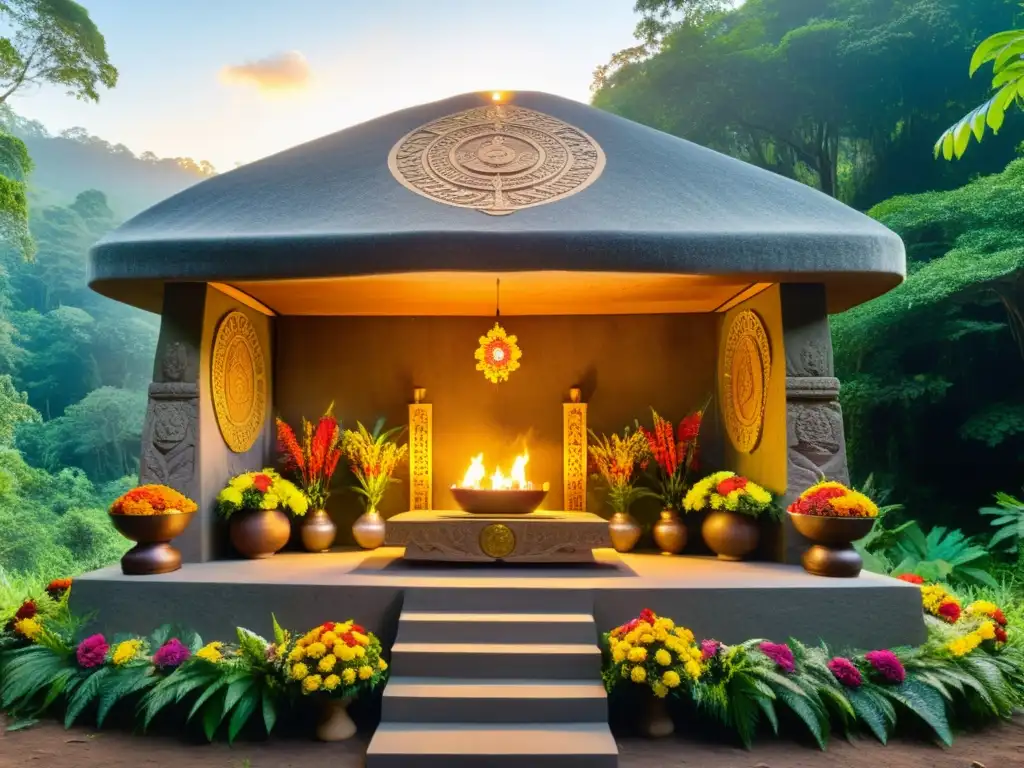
x=231, y=81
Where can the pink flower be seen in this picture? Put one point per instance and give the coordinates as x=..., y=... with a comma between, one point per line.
x=780, y=654
x=171, y=654
x=709, y=649
x=845, y=672
x=887, y=665
x=92, y=652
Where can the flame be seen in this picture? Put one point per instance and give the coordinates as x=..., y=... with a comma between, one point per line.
x=516, y=480
x=476, y=473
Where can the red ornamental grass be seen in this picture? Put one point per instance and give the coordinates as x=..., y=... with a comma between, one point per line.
x=292, y=457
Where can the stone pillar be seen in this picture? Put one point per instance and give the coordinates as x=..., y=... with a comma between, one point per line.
x=815, y=443
x=170, y=442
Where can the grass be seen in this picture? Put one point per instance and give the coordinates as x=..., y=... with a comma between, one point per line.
x=15, y=587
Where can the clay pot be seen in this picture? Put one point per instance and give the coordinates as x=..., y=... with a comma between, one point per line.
x=259, y=533
x=832, y=553
x=624, y=531
x=670, y=533
x=730, y=535
x=368, y=529
x=657, y=723
x=334, y=723
x=317, y=531
x=152, y=552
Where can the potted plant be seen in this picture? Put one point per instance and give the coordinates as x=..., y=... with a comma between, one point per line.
x=335, y=663
x=312, y=463
x=734, y=504
x=832, y=516
x=152, y=516
x=675, y=453
x=652, y=652
x=616, y=460
x=252, y=503
x=373, y=457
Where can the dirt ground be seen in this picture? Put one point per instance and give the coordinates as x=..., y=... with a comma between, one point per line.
x=48, y=745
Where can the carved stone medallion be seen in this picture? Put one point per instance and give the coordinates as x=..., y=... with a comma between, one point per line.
x=496, y=159
x=744, y=380
x=238, y=381
x=497, y=540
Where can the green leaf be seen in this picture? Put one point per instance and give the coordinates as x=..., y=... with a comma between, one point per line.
x=280, y=636
x=212, y=717
x=869, y=712
x=990, y=47
x=269, y=710
x=206, y=695
x=810, y=714
x=243, y=711
x=236, y=689
x=926, y=703
x=22, y=723
x=85, y=694
x=133, y=681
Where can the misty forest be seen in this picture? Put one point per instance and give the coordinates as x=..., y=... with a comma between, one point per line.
x=848, y=96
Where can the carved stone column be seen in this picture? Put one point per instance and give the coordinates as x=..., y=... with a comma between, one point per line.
x=815, y=442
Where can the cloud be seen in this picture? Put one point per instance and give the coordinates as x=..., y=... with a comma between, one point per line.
x=281, y=72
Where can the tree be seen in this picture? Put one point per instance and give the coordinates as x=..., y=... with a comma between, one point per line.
x=14, y=410
x=1006, y=52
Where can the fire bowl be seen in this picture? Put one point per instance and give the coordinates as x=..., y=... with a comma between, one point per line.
x=485, y=502
x=153, y=552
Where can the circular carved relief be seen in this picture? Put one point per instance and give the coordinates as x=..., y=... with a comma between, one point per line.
x=238, y=381
x=497, y=540
x=496, y=159
x=744, y=380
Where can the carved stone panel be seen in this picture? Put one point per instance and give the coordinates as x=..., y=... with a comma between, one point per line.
x=238, y=381
x=814, y=433
x=574, y=456
x=420, y=456
x=743, y=380
x=169, y=436
x=496, y=159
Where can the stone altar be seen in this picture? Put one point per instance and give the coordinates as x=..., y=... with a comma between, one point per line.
x=543, y=536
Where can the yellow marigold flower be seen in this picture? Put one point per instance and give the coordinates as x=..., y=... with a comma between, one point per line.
x=342, y=628
x=642, y=628
x=298, y=653
x=663, y=657
x=211, y=652
x=660, y=690
x=361, y=638
x=125, y=652
x=345, y=653
x=692, y=669
x=961, y=646
x=326, y=664
x=647, y=638
x=328, y=639
x=349, y=676
x=359, y=651
x=631, y=637
x=382, y=664
x=664, y=622
x=982, y=608
x=618, y=655
x=270, y=501
x=312, y=684
x=625, y=646
x=316, y=650
x=365, y=672
x=242, y=482
x=331, y=682
x=671, y=678
x=230, y=495
x=638, y=674
x=684, y=634
x=299, y=671
x=313, y=635
x=636, y=655
x=987, y=631
x=29, y=628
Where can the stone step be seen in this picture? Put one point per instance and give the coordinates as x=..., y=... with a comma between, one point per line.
x=465, y=745
x=447, y=700
x=481, y=661
x=505, y=599
x=446, y=626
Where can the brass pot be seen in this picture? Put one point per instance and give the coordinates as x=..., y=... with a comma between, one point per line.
x=153, y=534
x=259, y=533
x=317, y=531
x=670, y=533
x=657, y=722
x=368, y=529
x=832, y=553
x=730, y=535
x=624, y=531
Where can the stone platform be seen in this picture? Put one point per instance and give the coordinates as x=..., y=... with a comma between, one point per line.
x=537, y=537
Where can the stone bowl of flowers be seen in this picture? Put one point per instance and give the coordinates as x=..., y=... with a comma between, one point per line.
x=152, y=516
x=832, y=517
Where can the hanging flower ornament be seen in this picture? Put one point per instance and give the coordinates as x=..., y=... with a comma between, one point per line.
x=498, y=354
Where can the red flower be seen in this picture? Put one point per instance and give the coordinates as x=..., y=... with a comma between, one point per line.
x=348, y=639
x=262, y=483
x=26, y=611
x=327, y=626
x=950, y=612
x=1000, y=635
x=999, y=618
x=358, y=628
x=58, y=587
x=689, y=427
x=910, y=578
x=731, y=484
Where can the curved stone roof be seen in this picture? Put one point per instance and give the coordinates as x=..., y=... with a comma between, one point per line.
x=660, y=204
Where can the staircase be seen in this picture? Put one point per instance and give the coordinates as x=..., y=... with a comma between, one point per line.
x=494, y=677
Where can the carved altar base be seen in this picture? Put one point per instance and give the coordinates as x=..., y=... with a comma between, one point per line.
x=539, y=537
